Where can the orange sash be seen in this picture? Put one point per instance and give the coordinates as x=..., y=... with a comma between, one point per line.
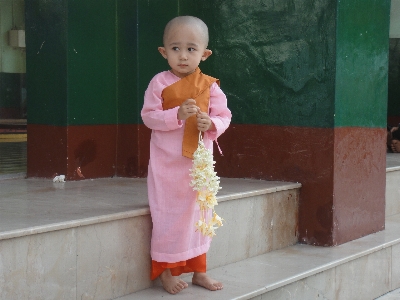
x=195, y=86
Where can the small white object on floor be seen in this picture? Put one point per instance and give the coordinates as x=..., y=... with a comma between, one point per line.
x=59, y=178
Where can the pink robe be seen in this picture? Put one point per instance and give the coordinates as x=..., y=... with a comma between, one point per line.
x=174, y=211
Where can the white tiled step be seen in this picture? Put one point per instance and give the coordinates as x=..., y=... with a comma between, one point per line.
x=392, y=184
x=91, y=239
x=393, y=295
x=362, y=269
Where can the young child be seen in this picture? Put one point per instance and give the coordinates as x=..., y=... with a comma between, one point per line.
x=178, y=104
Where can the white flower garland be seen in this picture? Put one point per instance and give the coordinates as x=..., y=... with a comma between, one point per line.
x=206, y=182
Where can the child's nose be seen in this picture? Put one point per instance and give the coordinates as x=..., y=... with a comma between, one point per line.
x=183, y=55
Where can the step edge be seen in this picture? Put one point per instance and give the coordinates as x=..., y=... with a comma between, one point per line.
x=392, y=169
x=387, y=241
x=311, y=272
x=234, y=196
x=131, y=213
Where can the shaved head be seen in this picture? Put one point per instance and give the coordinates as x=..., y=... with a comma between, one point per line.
x=189, y=21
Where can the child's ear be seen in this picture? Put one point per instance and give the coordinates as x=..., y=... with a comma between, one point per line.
x=206, y=54
x=163, y=52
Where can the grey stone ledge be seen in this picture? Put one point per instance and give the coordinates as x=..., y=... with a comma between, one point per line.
x=232, y=189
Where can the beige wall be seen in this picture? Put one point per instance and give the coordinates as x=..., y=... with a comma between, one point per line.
x=395, y=19
x=11, y=15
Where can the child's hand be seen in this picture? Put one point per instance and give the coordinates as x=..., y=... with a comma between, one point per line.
x=187, y=109
x=204, y=122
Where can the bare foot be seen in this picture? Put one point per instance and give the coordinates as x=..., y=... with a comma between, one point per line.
x=395, y=146
x=172, y=284
x=203, y=280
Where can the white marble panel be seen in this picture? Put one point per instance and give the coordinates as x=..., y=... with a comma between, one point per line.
x=41, y=266
x=285, y=219
x=232, y=242
x=319, y=286
x=359, y=271
x=392, y=193
x=113, y=258
x=254, y=226
x=261, y=230
x=396, y=267
x=394, y=295
x=367, y=277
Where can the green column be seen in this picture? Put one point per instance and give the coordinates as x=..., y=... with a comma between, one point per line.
x=81, y=62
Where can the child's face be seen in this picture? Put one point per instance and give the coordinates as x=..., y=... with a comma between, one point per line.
x=184, y=48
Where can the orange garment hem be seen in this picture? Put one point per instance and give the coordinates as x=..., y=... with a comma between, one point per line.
x=196, y=264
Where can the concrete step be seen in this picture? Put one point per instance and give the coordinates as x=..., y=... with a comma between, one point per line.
x=393, y=295
x=91, y=239
x=392, y=184
x=362, y=269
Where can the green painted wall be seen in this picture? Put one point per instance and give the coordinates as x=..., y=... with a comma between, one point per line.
x=276, y=60
x=80, y=62
x=91, y=57
x=46, y=57
x=362, y=63
x=127, y=60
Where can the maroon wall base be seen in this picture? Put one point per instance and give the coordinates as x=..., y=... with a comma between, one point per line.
x=133, y=150
x=322, y=160
x=359, y=183
x=92, y=149
x=98, y=151
x=46, y=150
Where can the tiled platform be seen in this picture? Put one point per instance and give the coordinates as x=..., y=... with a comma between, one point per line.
x=393, y=295
x=90, y=239
x=392, y=184
x=362, y=269
x=29, y=206
x=92, y=232
x=392, y=161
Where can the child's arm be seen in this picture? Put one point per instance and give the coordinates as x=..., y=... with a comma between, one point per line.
x=219, y=113
x=153, y=115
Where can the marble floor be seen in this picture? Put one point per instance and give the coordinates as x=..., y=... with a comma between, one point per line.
x=392, y=161
x=393, y=295
x=362, y=269
x=29, y=206
x=43, y=204
x=35, y=205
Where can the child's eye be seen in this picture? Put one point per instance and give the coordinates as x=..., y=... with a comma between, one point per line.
x=175, y=48
x=191, y=49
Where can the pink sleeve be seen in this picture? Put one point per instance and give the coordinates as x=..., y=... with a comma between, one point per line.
x=219, y=112
x=152, y=113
